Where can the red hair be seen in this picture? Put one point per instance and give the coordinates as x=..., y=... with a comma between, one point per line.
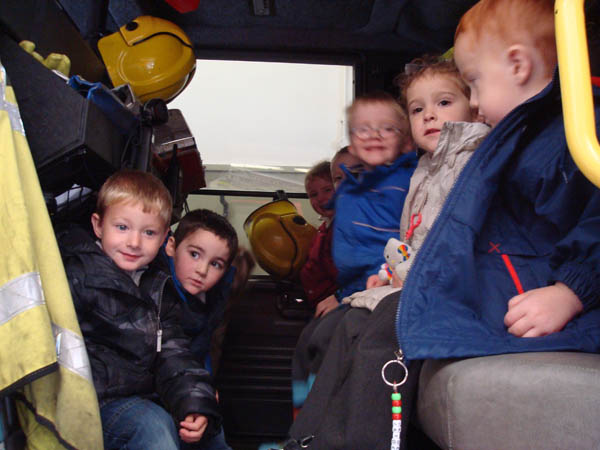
x=528, y=22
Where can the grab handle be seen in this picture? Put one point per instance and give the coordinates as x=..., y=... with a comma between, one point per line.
x=576, y=87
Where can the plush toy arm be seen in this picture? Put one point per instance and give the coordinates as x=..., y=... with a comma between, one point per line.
x=385, y=273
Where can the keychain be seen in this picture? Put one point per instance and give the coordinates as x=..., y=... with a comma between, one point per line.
x=396, y=398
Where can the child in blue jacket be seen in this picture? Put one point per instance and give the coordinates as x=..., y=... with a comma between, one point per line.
x=511, y=263
x=368, y=205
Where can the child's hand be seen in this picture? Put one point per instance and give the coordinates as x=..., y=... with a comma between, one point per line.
x=192, y=428
x=396, y=281
x=374, y=281
x=542, y=311
x=327, y=305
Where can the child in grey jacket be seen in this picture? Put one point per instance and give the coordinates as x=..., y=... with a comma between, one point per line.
x=442, y=125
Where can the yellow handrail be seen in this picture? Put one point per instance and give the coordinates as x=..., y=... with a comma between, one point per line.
x=576, y=87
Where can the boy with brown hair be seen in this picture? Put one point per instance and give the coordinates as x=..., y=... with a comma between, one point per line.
x=512, y=256
x=129, y=318
x=199, y=255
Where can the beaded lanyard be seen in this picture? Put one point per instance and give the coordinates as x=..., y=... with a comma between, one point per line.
x=396, y=398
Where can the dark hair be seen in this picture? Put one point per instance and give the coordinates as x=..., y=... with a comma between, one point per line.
x=341, y=151
x=319, y=170
x=244, y=263
x=204, y=219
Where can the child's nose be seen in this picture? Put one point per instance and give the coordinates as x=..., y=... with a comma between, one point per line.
x=429, y=114
x=202, y=267
x=134, y=239
x=473, y=101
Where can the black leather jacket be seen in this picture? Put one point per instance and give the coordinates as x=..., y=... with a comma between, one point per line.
x=120, y=323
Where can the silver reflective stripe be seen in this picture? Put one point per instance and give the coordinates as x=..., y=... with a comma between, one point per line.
x=71, y=352
x=25, y=292
x=13, y=110
x=20, y=294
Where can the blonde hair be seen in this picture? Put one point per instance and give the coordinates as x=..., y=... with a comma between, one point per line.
x=427, y=66
x=133, y=186
x=514, y=21
x=378, y=98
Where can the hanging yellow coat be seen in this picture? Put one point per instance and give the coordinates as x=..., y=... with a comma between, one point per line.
x=43, y=360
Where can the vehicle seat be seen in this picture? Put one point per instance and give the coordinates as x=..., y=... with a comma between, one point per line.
x=513, y=401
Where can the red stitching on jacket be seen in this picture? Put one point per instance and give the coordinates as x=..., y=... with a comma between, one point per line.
x=513, y=273
x=494, y=247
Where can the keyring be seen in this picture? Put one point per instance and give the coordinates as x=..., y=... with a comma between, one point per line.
x=401, y=364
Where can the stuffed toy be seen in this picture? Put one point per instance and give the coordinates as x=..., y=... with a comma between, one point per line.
x=396, y=253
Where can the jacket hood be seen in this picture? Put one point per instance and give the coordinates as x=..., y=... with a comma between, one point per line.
x=456, y=138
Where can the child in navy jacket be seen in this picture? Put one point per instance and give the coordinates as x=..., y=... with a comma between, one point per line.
x=199, y=255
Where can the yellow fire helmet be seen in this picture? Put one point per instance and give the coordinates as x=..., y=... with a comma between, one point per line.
x=280, y=238
x=152, y=55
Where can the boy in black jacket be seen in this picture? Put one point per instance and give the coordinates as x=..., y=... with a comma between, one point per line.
x=130, y=317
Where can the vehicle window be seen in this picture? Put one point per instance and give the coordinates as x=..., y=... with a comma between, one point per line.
x=259, y=126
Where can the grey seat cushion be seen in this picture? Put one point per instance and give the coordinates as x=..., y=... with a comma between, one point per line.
x=515, y=401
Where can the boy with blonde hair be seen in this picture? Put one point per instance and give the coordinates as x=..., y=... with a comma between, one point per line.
x=129, y=318
x=512, y=256
x=368, y=205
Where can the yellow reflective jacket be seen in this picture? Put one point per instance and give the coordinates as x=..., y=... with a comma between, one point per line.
x=44, y=361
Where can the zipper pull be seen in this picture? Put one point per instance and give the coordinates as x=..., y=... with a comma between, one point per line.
x=159, y=340
x=399, y=355
x=399, y=361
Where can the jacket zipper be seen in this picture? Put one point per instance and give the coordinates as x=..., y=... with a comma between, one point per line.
x=159, y=330
x=450, y=191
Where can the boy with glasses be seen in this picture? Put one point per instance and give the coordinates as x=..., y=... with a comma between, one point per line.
x=368, y=205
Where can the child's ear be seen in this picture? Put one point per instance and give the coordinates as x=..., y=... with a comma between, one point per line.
x=520, y=62
x=170, y=247
x=97, y=225
x=409, y=145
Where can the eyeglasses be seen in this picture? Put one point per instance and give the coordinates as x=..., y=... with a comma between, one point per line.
x=384, y=132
